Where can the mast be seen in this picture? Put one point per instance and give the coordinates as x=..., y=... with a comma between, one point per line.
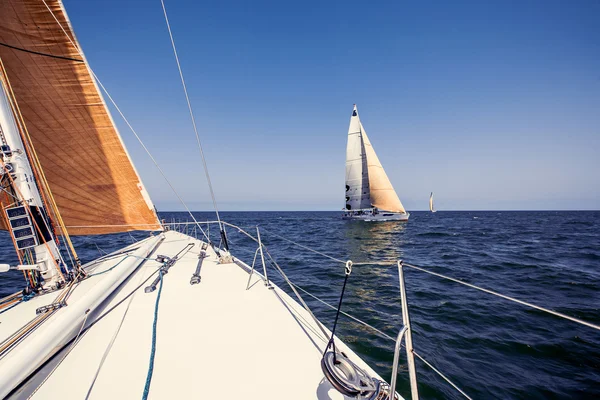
x=23, y=212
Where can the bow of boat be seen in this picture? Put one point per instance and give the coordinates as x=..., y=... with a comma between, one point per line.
x=227, y=336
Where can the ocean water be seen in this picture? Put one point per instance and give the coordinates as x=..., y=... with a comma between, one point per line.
x=489, y=347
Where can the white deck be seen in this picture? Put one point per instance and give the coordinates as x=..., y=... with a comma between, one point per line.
x=214, y=339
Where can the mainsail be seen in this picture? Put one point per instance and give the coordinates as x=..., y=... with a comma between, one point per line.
x=66, y=122
x=358, y=195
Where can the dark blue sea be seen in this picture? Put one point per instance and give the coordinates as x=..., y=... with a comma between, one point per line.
x=488, y=346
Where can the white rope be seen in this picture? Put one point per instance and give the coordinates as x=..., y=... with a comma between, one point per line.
x=306, y=307
x=561, y=315
x=187, y=98
x=383, y=334
x=123, y=116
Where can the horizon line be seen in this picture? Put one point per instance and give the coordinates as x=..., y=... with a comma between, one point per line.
x=424, y=210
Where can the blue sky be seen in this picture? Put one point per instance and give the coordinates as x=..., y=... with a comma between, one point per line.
x=491, y=105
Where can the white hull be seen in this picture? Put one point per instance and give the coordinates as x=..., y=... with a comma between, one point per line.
x=381, y=216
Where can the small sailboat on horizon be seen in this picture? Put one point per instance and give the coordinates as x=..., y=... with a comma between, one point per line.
x=370, y=195
x=431, y=203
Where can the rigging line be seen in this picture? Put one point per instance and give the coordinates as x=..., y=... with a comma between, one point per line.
x=39, y=54
x=187, y=98
x=579, y=321
x=442, y=375
x=383, y=334
x=126, y=120
x=363, y=263
x=306, y=248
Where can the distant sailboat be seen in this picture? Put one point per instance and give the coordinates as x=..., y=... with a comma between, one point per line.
x=370, y=195
x=431, y=203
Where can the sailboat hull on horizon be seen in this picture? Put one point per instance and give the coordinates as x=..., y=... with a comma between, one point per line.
x=371, y=215
x=370, y=195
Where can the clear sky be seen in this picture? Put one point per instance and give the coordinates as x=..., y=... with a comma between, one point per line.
x=490, y=104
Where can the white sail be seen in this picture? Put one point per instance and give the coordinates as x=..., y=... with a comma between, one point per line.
x=431, y=202
x=357, y=178
x=383, y=195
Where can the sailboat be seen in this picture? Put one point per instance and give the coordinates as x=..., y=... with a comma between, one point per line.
x=370, y=195
x=170, y=316
x=431, y=203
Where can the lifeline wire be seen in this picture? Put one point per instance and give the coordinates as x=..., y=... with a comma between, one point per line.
x=304, y=247
x=579, y=321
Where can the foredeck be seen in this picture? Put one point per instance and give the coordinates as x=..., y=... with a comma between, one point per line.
x=215, y=339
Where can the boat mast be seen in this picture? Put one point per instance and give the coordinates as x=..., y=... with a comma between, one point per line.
x=25, y=215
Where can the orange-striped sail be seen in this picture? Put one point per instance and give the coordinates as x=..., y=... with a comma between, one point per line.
x=67, y=124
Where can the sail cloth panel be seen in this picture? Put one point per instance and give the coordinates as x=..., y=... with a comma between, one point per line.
x=357, y=179
x=383, y=195
x=90, y=174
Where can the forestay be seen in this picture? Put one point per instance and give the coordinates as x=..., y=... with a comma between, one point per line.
x=65, y=121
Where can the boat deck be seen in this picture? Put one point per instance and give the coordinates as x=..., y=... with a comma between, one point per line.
x=215, y=339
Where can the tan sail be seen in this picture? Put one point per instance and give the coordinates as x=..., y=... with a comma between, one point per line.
x=383, y=195
x=88, y=170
